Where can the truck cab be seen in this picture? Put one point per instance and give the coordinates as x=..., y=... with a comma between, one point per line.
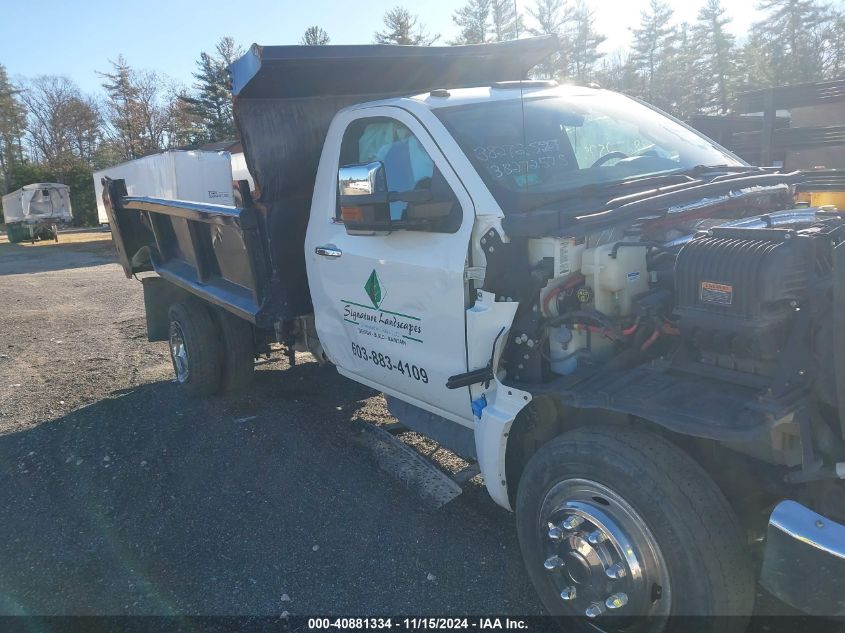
x=625, y=325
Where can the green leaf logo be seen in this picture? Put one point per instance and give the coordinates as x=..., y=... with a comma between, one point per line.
x=373, y=289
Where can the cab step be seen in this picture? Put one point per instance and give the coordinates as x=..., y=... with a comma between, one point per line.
x=419, y=474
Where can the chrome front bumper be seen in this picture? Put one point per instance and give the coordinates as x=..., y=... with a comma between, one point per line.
x=804, y=563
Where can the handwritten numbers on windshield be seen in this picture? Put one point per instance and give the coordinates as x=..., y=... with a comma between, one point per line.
x=517, y=158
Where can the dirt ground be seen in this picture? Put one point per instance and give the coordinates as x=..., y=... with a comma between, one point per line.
x=119, y=495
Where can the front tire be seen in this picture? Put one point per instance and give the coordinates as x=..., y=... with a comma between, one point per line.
x=195, y=349
x=616, y=522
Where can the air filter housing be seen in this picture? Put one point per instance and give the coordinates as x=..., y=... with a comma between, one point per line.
x=736, y=288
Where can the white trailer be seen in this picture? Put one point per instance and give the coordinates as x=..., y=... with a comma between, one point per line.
x=195, y=175
x=36, y=210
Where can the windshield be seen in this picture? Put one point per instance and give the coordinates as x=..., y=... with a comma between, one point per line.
x=535, y=150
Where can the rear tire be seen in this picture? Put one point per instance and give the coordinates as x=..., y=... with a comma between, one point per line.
x=195, y=348
x=238, y=352
x=642, y=504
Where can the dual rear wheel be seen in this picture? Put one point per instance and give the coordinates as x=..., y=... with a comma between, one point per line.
x=212, y=351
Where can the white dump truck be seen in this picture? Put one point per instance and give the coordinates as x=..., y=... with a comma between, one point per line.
x=633, y=332
x=35, y=212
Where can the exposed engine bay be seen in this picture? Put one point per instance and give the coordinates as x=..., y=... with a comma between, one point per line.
x=716, y=327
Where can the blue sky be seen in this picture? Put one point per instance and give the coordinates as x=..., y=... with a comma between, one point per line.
x=78, y=38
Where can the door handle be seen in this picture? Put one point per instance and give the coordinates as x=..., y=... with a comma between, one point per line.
x=328, y=251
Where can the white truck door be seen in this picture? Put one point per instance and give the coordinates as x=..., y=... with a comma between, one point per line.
x=390, y=307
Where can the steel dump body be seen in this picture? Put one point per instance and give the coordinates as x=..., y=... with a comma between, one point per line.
x=250, y=259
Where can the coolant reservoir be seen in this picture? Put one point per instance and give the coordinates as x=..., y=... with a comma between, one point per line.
x=567, y=345
x=615, y=280
x=562, y=351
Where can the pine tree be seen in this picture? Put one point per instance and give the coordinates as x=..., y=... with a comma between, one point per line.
x=716, y=50
x=834, y=50
x=652, y=47
x=212, y=98
x=12, y=126
x=686, y=85
x=474, y=21
x=401, y=27
x=758, y=59
x=585, y=43
x=184, y=127
x=506, y=23
x=553, y=17
x=122, y=108
x=315, y=36
x=793, y=31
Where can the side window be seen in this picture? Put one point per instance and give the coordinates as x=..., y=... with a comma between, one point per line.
x=407, y=167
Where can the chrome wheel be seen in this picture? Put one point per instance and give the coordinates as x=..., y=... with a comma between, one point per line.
x=179, y=352
x=601, y=557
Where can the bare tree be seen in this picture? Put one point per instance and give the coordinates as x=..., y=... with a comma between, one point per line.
x=137, y=109
x=153, y=110
x=401, y=27
x=63, y=125
x=315, y=36
x=84, y=125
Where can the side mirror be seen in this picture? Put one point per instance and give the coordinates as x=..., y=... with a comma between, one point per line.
x=363, y=194
x=362, y=180
x=365, y=202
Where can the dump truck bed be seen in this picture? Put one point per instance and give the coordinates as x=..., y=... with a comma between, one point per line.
x=250, y=259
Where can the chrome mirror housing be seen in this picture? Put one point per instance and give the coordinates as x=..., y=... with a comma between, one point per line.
x=365, y=179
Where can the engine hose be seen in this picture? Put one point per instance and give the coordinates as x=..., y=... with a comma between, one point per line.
x=631, y=330
x=598, y=330
x=651, y=339
x=573, y=280
x=670, y=329
x=588, y=315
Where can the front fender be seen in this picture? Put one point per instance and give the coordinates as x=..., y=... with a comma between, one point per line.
x=491, y=438
x=485, y=320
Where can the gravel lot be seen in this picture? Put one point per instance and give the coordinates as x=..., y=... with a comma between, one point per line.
x=118, y=495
